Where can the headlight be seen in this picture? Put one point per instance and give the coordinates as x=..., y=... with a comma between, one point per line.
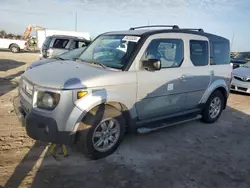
x=47, y=100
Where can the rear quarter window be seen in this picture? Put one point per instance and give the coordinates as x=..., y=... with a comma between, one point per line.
x=220, y=53
x=60, y=43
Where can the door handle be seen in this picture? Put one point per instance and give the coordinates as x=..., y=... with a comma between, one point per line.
x=185, y=78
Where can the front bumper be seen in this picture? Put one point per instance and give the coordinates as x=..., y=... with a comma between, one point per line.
x=240, y=86
x=41, y=127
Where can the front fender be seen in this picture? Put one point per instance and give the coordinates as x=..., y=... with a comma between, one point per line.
x=102, y=96
x=212, y=87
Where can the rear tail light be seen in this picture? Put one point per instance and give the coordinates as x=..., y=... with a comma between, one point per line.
x=49, y=51
x=25, y=44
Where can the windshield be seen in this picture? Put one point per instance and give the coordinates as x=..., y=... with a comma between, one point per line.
x=243, y=55
x=72, y=54
x=246, y=65
x=111, y=50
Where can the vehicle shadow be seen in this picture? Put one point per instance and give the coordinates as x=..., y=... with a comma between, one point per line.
x=76, y=171
x=9, y=83
x=26, y=165
x=7, y=64
x=22, y=51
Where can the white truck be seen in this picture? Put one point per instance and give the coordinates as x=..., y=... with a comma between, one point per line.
x=15, y=46
x=42, y=34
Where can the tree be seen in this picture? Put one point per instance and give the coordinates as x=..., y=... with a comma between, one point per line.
x=10, y=35
x=3, y=33
x=18, y=37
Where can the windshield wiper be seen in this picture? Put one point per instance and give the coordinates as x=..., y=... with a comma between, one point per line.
x=91, y=62
x=97, y=63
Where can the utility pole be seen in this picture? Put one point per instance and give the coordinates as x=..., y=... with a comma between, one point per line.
x=232, y=40
x=76, y=21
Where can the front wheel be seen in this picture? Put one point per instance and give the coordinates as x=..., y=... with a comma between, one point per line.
x=100, y=132
x=213, y=108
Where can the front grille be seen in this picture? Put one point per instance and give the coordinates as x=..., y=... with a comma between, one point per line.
x=242, y=88
x=243, y=79
x=27, y=87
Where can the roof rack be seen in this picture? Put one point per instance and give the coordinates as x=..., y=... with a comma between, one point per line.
x=193, y=29
x=173, y=26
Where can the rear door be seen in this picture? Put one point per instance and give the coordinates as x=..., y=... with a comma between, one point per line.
x=198, y=73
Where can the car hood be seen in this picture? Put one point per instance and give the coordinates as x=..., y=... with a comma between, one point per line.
x=41, y=62
x=238, y=60
x=242, y=71
x=73, y=75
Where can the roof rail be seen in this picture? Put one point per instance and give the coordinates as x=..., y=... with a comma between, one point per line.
x=193, y=29
x=173, y=26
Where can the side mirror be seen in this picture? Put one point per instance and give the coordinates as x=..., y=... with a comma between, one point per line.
x=152, y=64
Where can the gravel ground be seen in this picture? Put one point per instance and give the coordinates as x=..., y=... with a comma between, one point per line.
x=191, y=155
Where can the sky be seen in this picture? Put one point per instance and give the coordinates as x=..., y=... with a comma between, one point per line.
x=227, y=18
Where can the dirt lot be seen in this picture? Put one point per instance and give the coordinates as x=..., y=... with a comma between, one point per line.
x=192, y=155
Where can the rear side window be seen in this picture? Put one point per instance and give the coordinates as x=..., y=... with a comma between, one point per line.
x=60, y=43
x=47, y=41
x=78, y=44
x=221, y=53
x=82, y=44
x=199, y=52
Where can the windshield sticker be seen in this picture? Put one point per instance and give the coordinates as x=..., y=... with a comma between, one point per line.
x=131, y=38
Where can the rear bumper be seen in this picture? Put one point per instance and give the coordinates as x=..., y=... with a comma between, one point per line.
x=40, y=127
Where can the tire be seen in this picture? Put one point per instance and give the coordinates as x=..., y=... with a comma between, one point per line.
x=14, y=48
x=91, y=124
x=207, y=117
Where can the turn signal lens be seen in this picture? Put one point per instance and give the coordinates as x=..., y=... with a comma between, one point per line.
x=81, y=94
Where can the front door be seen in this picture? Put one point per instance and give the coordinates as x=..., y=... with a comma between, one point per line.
x=162, y=92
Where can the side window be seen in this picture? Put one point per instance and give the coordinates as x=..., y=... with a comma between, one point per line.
x=82, y=44
x=169, y=51
x=199, y=52
x=60, y=43
x=74, y=45
x=221, y=53
x=78, y=44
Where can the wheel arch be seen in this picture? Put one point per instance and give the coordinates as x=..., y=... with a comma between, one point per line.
x=219, y=85
x=224, y=93
x=121, y=103
x=13, y=44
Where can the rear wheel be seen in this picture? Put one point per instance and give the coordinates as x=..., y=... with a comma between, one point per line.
x=14, y=48
x=214, y=107
x=100, y=132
